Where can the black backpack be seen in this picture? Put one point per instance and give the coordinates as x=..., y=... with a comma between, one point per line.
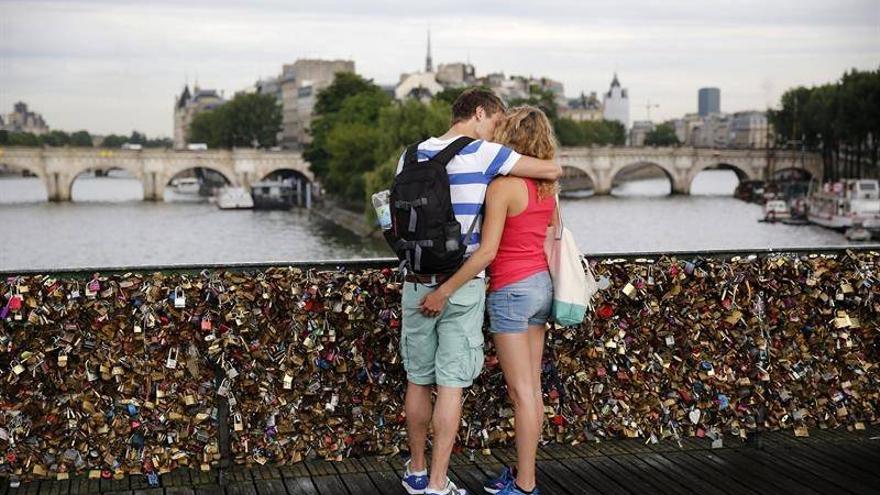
x=424, y=232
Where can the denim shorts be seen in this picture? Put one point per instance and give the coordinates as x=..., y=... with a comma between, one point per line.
x=515, y=306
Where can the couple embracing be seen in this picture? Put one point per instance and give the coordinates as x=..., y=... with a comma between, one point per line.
x=479, y=197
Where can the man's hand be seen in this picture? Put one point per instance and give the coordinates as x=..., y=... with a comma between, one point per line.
x=432, y=304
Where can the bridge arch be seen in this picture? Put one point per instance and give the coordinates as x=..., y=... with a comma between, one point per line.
x=134, y=173
x=38, y=176
x=175, y=169
x=667, y=170
x=285, y=171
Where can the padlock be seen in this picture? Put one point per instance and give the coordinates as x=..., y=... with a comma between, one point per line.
x=288, y=381
x=223, y=389
x=62, y=359
x=238, y=423
x=179, y=298
x=171, y=361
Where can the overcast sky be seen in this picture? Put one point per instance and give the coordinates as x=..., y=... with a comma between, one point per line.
x=116, y=65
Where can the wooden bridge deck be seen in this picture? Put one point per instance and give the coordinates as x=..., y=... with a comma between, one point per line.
x=826, y=462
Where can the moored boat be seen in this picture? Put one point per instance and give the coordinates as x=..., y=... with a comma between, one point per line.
x=231, y=198
x=845, y=204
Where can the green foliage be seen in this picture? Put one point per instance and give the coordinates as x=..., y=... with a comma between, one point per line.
x=117, y=140
x=540, y=98
x=55, y=138
x=248, y=120
x=23, y=139
x=600, y=132
x=345, y=84
x=830, y=117
x=81, y=139
x=662, y=135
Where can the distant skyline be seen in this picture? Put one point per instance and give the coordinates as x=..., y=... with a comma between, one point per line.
x=113, y=66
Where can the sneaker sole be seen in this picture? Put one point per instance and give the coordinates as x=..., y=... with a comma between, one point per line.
x=491, y=490
x=411, y=490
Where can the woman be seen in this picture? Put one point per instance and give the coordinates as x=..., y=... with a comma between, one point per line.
x=518, y=212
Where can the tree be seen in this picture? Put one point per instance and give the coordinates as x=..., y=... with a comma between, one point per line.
x=23, y=139
x=662, y=135
x=55, y=138
x=113, y=141
x=248, y=120
x=349, y=99
x=81, y=139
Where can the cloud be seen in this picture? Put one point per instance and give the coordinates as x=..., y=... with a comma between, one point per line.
x=113, y=66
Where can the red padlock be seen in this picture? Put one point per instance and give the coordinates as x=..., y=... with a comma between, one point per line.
x=15, y=303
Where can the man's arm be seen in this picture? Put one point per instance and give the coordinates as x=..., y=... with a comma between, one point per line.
x=531, y=167
x=497, y=200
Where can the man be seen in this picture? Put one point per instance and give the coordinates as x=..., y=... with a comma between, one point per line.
x=446, y=348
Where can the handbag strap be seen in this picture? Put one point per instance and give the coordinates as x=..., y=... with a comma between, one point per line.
x=559, y=225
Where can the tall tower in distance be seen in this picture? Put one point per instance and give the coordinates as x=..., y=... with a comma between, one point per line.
x=616, y=103
x=429, y=64
x=708, y=101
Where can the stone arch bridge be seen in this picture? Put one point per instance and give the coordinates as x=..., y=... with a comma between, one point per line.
x=59, y=167
x=681, y=164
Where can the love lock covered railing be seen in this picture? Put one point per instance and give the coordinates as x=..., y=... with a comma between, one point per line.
x=124, y=370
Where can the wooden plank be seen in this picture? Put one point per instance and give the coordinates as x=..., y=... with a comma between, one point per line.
x=595, y=478
x=148, y=491
x=708, y=471
x=179, y=490
x=683, y=477
x=138, y=482
x=841, y=475
x=553, y=477
x=330, y=485
x=82, y=485
x=729, y=472
x=637, y=467
x=358, y=483
x=265, y=472
x=238, y=473
x=122, y=492
x=114, y=485
x=824, y=480
x=386, y=482
x=32, y=488
x=743, y=464
x=613, y=469
x=300, y=486
x=374, y=464
x=241, y=488
x=178, y=477
x=208, y=489
x=52, y=487
x=270, y=487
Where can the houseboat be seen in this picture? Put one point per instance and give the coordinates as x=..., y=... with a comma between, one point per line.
x=845, y=204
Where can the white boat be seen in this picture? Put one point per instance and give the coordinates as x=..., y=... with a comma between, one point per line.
x=231, y=198
x=776, y=209
x=186, y=185
x=847, y=203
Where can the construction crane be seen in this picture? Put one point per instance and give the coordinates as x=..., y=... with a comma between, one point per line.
x=648, y=107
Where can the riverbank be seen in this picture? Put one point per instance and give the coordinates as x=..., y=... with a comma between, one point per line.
x=352, y=221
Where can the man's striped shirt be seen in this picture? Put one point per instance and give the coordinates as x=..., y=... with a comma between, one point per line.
x=469, y=174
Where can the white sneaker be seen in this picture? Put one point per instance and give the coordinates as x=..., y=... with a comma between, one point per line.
x=450, y=489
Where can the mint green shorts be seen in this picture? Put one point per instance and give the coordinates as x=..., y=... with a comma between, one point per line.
x=448, y=349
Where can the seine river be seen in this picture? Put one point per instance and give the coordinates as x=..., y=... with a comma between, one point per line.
x=107, y=224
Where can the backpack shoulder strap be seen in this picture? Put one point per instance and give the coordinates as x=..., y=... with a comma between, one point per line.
x=410, y=156
x=448, y=153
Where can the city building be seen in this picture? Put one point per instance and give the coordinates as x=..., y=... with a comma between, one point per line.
x=23, y=120
x=708, y=101
x=300, y=83
x=685, y=127
x=640, y=130
x=456, y=75
x=615, y=103
x=422, y=85
x=749, y=129
x=583, y=108
x=187, y=106
x=713, y=132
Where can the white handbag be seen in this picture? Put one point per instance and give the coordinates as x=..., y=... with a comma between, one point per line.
x=573, y=281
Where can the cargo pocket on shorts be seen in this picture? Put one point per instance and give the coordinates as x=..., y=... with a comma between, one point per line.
x=473, y=356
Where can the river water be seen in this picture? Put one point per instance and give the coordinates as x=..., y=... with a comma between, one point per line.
x=107, y=224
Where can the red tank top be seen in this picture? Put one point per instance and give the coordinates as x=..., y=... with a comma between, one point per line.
x=521, y=251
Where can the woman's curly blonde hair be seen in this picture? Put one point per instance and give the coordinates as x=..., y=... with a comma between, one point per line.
x=527, y=130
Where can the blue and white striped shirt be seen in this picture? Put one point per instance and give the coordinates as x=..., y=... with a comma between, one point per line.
x=469, y=175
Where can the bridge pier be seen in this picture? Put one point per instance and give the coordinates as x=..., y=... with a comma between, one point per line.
x=154, y=188
x=57, y=188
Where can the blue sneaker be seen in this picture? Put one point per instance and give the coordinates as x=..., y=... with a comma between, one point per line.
x=495, y=485
x=511, y=489
x=414, y=484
